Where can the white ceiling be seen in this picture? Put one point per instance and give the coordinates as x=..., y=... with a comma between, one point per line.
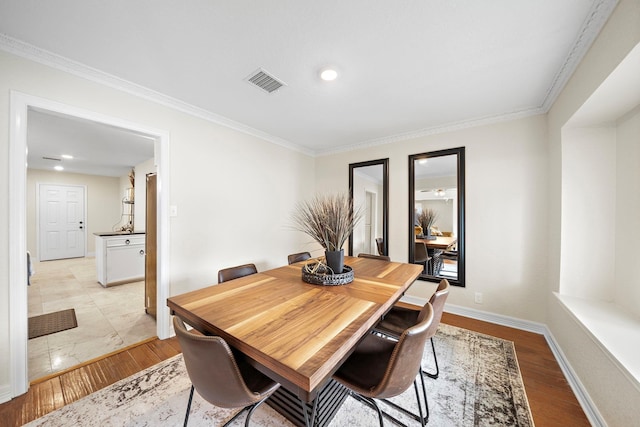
x=406, y=68
x=97, y=148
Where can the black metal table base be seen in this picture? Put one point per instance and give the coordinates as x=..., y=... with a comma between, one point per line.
x=327, y=403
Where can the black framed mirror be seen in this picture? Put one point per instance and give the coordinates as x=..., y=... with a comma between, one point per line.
x=369, y=188
x=436, y=214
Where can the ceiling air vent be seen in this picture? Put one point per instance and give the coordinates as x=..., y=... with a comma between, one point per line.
x=264, y=81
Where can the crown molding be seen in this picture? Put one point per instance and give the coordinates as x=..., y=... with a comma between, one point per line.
x=450, y=127
x=596, y=18
x=50, y=59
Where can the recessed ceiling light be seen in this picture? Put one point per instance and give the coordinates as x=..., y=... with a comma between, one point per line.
x=67, y=156
x=328, y=74
x=58, y=168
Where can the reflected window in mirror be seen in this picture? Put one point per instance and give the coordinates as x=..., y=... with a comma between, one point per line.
x=369, y=190
x=436, y=214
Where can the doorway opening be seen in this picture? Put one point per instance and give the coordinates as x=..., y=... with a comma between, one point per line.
x=21, y=104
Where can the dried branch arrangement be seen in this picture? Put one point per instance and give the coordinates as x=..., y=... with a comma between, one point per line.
x=328, y=219
x=427, y=218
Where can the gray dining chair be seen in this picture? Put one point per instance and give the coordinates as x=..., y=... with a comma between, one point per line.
x=421, y=256
x=222, y=378
x=399, y=318
x=300, y=256
x=380, y=368
x=380, y=257
x=231, y=273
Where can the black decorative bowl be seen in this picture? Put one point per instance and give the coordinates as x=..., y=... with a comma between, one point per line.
x=321, y=275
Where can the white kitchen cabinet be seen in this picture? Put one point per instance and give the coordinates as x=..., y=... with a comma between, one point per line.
x=119, y=257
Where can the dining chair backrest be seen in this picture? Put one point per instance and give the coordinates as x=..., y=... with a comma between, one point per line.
x=406, y=359
x=231, y=273
x=301, y=256
x=380, y=246
x=380, y=257
x=437, y=300
x=420, y=254
x=223, y=386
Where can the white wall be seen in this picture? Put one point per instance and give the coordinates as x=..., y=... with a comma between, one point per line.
x=506, y=227
x=615, y=396
x=588, y=212
x=627, y=267
x=102, y=198
x=234, y=192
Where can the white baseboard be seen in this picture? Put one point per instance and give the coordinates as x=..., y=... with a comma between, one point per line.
x=589, y=408
x=5, y=393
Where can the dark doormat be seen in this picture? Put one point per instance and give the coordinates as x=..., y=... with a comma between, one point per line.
x=51, y=323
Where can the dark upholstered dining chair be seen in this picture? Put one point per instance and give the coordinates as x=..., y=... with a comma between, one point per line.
x=380, y=246
x=399, y=318
x=380, y=257
x=231, y=273
x=300, y=256
x=380, y=368
x=421, y=255
x=221, y=378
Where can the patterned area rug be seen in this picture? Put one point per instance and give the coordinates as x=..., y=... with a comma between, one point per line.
x=479, y=385
x=51, y=323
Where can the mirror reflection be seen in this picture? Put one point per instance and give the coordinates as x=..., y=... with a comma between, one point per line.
x=437, y=221
x=368, y=184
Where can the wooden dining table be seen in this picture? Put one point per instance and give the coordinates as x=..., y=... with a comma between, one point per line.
x=295, y=332
x=440, y=242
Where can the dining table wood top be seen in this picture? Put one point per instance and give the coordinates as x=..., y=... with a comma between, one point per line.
x=440, y=242
x=296, y=332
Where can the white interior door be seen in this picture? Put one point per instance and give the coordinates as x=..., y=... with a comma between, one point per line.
x=369, y=223
x=62, y=228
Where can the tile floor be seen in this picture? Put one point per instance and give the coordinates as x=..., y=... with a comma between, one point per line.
x=108, y=318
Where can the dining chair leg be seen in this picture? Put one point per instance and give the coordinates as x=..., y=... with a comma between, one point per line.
x=435, y=374
x=251, y=409
x=186, y=416
x=422, y=417
x=375, y=405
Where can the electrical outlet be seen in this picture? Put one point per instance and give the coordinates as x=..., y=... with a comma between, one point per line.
x=478, y=298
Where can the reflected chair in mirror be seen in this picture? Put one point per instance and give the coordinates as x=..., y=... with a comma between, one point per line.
x=380, y=368
x=231, y=273
x=399, y=318
x=380, y=246
x=451, y=256
x=220, y=377
x=301, y=256
x=421, y=256
x=380, y=257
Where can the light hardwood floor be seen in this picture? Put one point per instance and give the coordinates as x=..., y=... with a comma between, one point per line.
x=551, y=400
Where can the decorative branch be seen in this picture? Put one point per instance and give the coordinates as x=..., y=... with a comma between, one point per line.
x=327, y=219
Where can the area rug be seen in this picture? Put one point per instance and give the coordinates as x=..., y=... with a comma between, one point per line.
x=479, y=385
x=51, y=323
